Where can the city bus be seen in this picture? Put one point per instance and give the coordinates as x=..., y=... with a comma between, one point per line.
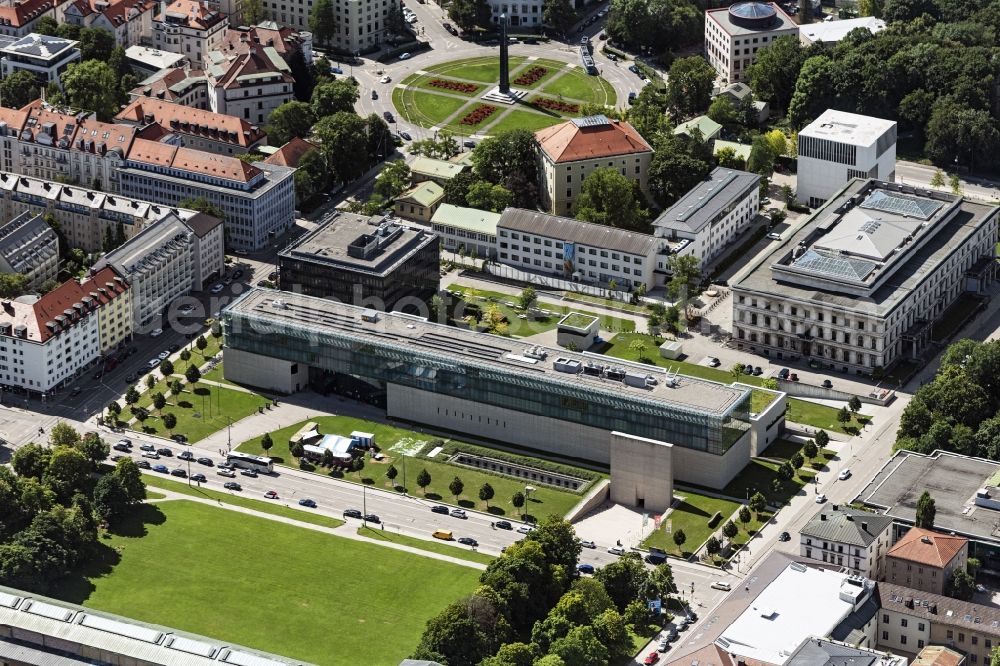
x=247, y=461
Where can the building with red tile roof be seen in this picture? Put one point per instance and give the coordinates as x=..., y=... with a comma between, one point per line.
x=191, y=27
x=75, y=324
x=177, y=85
x=568, y=152
x=249, y=85
x=17, y=19
x=926, y=560
x=195, y=128
x=130, y=21
x=284, y=40
x=290, y=153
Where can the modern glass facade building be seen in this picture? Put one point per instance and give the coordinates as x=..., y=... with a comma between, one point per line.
x=492, y=384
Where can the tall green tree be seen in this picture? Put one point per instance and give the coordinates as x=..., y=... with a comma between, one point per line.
x=92, y=85
x=689, y=85
x=926, y=511
x=323, y=22
x=96, y=44
x=559, y=14
x=19, y=88
x=393, y=180
x=624, y=579
x=334, y=97
x=508, y=158
x=289, y=120
x=46, y=25
x=423, y=480
x=485, y=195
x=685, y=276
x=611, y=199
x=343, y=145
x=467, y=14
x=253, y=12
x=775, y=70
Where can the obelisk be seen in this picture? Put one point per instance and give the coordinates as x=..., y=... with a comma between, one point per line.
x=504, y=67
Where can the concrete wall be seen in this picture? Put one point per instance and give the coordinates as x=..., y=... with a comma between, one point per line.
x=595, y=498
x=264, y=372
x=641, y=472
x=766, y=427
x=706, y=469
x=879, y=397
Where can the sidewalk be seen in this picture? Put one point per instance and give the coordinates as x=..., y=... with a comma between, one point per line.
x=345, y=531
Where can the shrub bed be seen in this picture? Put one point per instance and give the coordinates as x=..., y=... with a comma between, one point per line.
x=531, y=76
x=478, y=115
x=457, y=86
x=553, y=105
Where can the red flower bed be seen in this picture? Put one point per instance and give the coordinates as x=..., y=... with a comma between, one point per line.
x=457, y=86
x=553, y=105
x=479, y=114
x=531, y=76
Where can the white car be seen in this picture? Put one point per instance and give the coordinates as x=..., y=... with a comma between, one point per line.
x=151, y=454
x=187, y=308
x=616, y=550
x=774, y=236
x=405, y=56
x=216, y=288
x=663, y=645
x=147, y=447
x=385, y=79
x=524, y=529
x=587, y=543
x=721, y=585
x=157, y=332
x=163, y=355
x=820, y=499
x=844, y=474
x=224, y=471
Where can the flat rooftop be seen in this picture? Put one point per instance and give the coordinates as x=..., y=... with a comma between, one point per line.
x=377, y=244
x=709, y=198
x=833, y=31
x=846, y=127
x=867, y=248
x=951, y=479
x=415, y=335
x=801, y=602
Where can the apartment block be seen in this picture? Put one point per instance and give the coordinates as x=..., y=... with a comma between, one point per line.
x=734, y=34
x=926, y=560
x=30, y=247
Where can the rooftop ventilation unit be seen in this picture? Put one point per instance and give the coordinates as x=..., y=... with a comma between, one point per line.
x=568, y=365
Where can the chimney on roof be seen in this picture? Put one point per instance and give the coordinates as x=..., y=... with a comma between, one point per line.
x=864, y=526
x=926, y=539
x=836, y=507
x=822, y=516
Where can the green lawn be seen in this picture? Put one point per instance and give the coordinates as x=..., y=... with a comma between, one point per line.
x=236, y=499
x=606, y=302
x=152, y=495
x=438, y=546
x=295, y=592
x=394, y=442
x=799, y=411
x=578, y=85
x=520, y=328
x=200, y=410
x=485, y=69
x=691, y=516
x=529, y=120
x=426, y=107
x=216, y=375
x=760, y=473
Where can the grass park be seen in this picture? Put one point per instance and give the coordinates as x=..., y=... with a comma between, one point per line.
x=799, y=411
x=408, y=451
x=520, y=328
x=297, y=592
x=423, y=104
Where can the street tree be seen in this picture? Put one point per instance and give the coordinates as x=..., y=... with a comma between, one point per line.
x=757, y=503
x=926, y=511
x=486, y=493
x=343, y=139
x=31, y=460
x=67, y=473
x=527, y=298
x=809, y=449
x=517, y=500
x=844, y=416
x=185, y=354
x=266, y=442
x=131, y=396
x=679, y=538
x=166, y=367
x=686, y=276
x=63, y=434
x=822, y=438
x=456, y=487
x=729, y=530
x=358, y=464
x=201, y=343
x=334, y=97
x=169, y=421
x=854, y=404
x=391, y=473
x=93, y=448
x=110, y=499
x=689, y=86
x=176, y=386
x=423, y=480
x=736, y=371
x=192, y=374
x=559, y=14
x=744, y=516
x=130, y=476
x=624, y=579
x=937, y=180
x=291, y=119
x=159, y=401
x=323, y=22
x=467, y=14
x=797, y=460
x=150, y=380
x=712, y=546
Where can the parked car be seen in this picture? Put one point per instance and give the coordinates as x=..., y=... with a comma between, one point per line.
x=663, y=645
x=631, y=98
x=162, y=469
x=468, y=541
x=336, y=70
x=405, y=56
x=820, y=499
x=373, y=518
x=187, y=308
x=164, y=451
x=438, y=508
x=844, y=474
x=458, y=513
x=651, y=658
x=784, y=536
x=774, y=236
x=271, y=494
x=634, y=69
x=587, y=543
x=179, y=438
x=151, y=454
x=757, y=372
x=307, y=502
x=714, y=362
x=238, y=273
x=352, y=513
x=222, y=471
x=503, y=525
x=585, y=568
x=178, y=472
x=449, y=27
x=656, y=556
x=793, y=377
x=199, y=477
x=156, y=332
x=121, y=447
x=146, y=446
x=185, y=455
x=232, y=485
x=616, y=550
x=142, y=464
x=469, y=144
x=116, y=458
x=783, y=373
x=374, y=94
x=524, y=529
x=721, y=585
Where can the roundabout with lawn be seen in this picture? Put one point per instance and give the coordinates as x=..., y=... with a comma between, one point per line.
x=459, y=96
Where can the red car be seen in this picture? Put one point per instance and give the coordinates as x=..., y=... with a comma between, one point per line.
x=270, y=494
x=651, y=658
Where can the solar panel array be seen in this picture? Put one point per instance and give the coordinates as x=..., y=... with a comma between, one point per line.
x=834, y=265
x=900, y=204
